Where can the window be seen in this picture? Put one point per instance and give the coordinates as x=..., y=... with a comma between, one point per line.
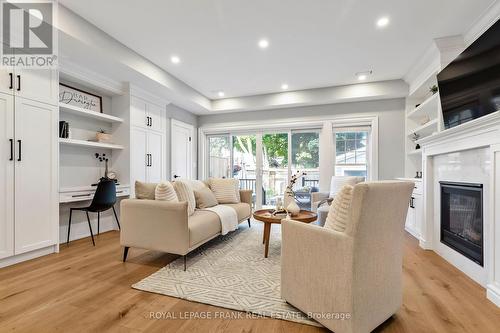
x=351, y=151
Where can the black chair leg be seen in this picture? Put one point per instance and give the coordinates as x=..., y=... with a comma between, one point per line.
x=90, y=228
x=249, y=225
x=185, y=260
x=69, y=223
x=116, y=217
x=125, y=253
x=98, y=222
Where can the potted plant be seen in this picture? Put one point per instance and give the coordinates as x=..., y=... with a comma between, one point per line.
x=290, y=204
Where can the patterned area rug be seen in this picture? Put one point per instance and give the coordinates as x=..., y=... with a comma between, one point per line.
x=230, y=272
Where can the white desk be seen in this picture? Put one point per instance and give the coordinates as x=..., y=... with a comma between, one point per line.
x=84, y=193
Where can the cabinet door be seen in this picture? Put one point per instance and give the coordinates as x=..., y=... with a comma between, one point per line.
x=138, y=114
x=156, y=163
x=157, y=116
x=37, y=84
x=36, y=150
x=6, y=176
x=138, y=158
x=7, y=80
x=419, y=214
x=181, y=150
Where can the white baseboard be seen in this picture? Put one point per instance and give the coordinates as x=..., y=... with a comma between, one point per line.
x=493, y=294
x=28, y=256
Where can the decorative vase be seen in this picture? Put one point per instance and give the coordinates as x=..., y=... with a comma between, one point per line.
x=103, y=137
x=293, y=208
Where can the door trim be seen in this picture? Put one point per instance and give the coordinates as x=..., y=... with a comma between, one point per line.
x=190, y=128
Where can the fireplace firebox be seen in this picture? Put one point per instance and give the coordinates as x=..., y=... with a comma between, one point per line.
x=462, y=218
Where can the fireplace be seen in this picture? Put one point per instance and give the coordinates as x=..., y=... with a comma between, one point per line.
x=462, y=218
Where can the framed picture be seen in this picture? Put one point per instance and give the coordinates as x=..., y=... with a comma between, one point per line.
x=77, y=97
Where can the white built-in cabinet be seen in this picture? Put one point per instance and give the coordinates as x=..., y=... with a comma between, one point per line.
x=147, y=141
x=414, y=219
x=28, y=166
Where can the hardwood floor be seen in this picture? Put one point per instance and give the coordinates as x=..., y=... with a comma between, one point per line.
x=88, y=289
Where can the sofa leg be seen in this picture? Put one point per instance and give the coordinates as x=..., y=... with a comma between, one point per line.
x=185, y=259
x=249, y=225
x=125, y=253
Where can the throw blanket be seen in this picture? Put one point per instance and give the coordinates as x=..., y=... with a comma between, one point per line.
x=228, y=217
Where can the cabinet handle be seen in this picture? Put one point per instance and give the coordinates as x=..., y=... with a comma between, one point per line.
x=20, y=155
x=19, y=83
x=412, y=202
x=147, y=160
x=147, y=121
x=11, y=149
x=11, y=80
x=150, y=121
x=150, y=160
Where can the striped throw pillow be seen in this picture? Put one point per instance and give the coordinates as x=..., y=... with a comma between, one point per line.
x=338, y=215
x=165, y=192
x=226, y=191
x=185, y=192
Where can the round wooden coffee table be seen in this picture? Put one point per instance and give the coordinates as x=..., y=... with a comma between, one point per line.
x=264, y=215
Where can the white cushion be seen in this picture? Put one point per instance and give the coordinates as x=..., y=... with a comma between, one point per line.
x=164, y=191
x=226, y=191
x=338, y=216
x=339, y=181
x=198, y=185
x=185, y=192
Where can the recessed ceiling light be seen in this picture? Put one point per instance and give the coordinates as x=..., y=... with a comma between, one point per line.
x=221, y=94
x=362, y=76
x=284, y=86
x=175, y=59
x=263, y=43
x=382, y=22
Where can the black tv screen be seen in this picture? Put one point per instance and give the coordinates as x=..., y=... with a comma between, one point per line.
x=469, y=87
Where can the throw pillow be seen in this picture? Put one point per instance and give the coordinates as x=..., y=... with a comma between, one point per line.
x=226, y=191
x=165, y=192
x=185, y=192
x=205, y=198
x=145, y=190
x=197, y=185
x=338, y=216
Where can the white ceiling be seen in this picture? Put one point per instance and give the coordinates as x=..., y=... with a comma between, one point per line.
x=313, y=44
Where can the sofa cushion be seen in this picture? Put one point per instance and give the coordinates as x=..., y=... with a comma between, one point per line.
x=198, y=184
x=225, y=190
x=165, y=192
x=145, y=190
x=203, y=225
x=242, y=210
x=205, y=198
x=185, y=192
x=339, y=181
x=338, y=216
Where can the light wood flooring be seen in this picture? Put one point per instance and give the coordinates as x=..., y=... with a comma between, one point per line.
x=87, y=289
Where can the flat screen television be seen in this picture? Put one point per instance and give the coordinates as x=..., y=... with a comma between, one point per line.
x=469, y=86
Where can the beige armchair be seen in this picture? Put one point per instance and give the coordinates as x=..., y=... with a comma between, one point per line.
x=354, y=282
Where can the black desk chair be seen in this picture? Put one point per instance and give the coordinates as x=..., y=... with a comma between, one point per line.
x=104, y=199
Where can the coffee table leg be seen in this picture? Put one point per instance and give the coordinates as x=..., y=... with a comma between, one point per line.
x=267, y=235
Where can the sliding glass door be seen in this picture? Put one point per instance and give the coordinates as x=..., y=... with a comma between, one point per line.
x=275, y=167
x=305, y=158
x=244, y=166
x=264, y=163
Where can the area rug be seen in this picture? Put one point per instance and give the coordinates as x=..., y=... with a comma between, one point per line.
x=230, y=272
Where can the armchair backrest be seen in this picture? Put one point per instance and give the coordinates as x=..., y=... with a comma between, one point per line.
x=338, y=182
x=377, y=217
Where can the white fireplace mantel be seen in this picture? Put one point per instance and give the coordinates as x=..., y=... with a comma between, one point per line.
x=477, y=134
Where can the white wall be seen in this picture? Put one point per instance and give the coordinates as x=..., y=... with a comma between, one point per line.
x=391, y=126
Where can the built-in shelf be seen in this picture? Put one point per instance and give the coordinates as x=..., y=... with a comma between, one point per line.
x=426, y=129
x=89, y=114
x=84, y=143
x=427, y=107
